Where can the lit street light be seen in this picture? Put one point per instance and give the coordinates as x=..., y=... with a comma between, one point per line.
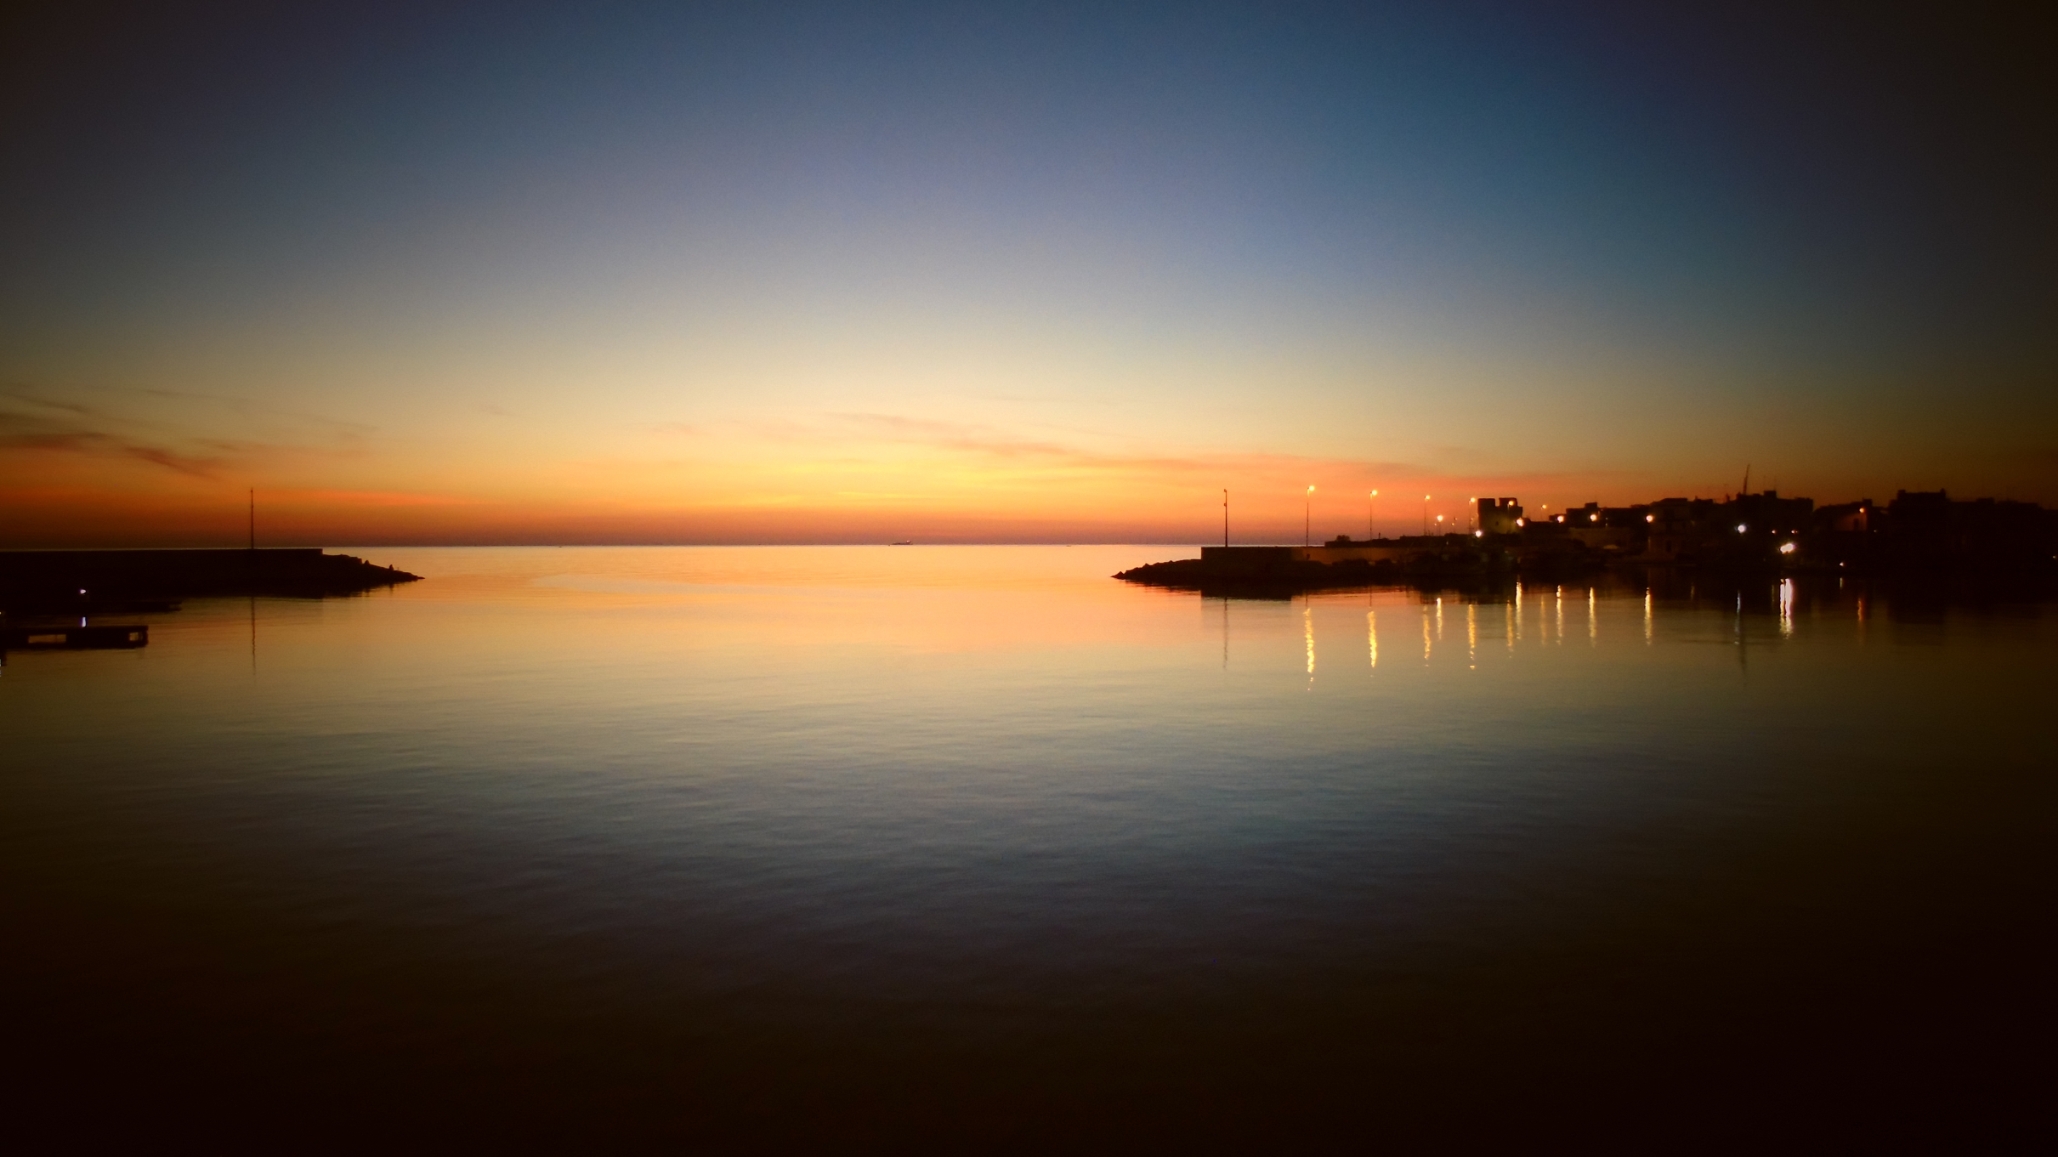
x=1307, y=516
x=1370, y=522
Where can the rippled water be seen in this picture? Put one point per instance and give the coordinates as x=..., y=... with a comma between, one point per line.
x=977, y=843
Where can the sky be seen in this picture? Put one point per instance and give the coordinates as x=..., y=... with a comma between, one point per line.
x=856, y=273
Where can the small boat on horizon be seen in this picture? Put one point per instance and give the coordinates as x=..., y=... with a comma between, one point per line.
x=903, y=542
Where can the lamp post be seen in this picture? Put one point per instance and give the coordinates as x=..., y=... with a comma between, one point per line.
x=1370, y=521
x=1308, y=517
x=1425, y=515
x=1225, y=518
x=1475, y=513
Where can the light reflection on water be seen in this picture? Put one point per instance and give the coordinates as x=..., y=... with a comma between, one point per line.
x=988, y=786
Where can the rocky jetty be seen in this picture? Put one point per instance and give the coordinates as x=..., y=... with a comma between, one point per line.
x=1284, y=571
x=1281, y=579
x=65, y=580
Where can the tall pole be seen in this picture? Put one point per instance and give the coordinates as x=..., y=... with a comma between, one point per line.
x=1425, y=515
x=253, y=518
x=1225, y=519
x=1370, y=522
x=1308, y=517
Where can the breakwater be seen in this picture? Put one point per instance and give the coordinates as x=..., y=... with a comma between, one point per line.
x=68, y=579
x=1280, y=571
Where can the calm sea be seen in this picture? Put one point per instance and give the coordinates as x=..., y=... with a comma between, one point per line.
x=976, y=845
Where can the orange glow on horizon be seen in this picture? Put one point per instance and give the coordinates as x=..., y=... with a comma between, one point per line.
x=864, y=493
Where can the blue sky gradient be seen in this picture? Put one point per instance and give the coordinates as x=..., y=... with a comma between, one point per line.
x=672, y=273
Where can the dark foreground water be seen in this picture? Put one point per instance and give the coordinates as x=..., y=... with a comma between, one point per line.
x=581, y=848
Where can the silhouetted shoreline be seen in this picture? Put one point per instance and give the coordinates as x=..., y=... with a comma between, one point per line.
x=1924, y=535
x=105, y=580
x=1287, y=577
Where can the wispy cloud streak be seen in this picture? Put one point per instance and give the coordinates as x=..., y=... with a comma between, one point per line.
x=31, y=421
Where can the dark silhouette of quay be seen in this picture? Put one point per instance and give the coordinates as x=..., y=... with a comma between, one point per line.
x=56, y=580
x=37, y=586
x=1919, y=533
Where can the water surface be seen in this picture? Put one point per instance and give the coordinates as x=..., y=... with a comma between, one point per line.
x=976, y=843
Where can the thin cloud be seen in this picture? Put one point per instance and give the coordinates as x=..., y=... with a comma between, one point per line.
x=837, y=440
x=208, y=468
x=965, y=438
x=38, y=401
x=368, y=498
x=31, y=420
x=39, y=432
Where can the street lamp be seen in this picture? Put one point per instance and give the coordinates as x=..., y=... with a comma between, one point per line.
x=1370, y=522
x=1307, y=517
x=1425, y=514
